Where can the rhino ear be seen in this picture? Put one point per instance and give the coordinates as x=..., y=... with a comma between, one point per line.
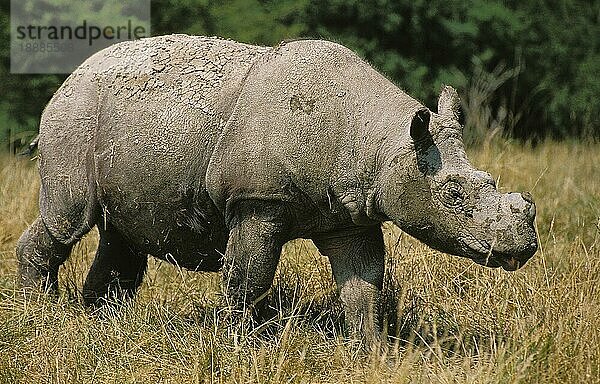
x=449, y=102
x=419, y=126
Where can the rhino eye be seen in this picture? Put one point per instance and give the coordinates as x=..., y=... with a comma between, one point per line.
x=453, y=194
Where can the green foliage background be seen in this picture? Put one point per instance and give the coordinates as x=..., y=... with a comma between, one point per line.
x=538, y=60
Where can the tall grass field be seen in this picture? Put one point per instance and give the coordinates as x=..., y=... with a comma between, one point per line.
x=447, y=320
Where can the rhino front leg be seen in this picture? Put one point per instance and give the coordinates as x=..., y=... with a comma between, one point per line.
x=357, y=262
x=253, y=251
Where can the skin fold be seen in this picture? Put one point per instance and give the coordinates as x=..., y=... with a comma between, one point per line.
x=212, y=154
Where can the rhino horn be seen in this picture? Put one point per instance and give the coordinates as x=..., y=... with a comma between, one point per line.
x=449, y=102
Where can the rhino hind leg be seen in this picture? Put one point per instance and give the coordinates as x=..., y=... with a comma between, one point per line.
x=117, y=271
x=357, y=262
x=39, y=256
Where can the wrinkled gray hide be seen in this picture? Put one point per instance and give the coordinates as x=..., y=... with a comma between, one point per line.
x=212, y=154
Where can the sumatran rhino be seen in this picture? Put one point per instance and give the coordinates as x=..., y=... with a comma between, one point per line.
x=212, y=154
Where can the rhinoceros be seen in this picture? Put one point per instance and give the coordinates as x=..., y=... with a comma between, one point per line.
x=212, y=154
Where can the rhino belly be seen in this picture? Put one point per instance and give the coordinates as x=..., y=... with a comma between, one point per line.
x=184, y=231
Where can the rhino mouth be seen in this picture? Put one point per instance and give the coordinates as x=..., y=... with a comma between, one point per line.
x=482, y=253
x=495, y=260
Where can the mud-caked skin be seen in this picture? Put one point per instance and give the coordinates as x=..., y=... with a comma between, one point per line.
x=212, y=154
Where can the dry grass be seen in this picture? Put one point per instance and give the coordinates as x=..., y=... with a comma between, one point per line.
x=449, y=320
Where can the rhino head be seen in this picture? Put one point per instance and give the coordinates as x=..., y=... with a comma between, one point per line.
x=431, y=191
